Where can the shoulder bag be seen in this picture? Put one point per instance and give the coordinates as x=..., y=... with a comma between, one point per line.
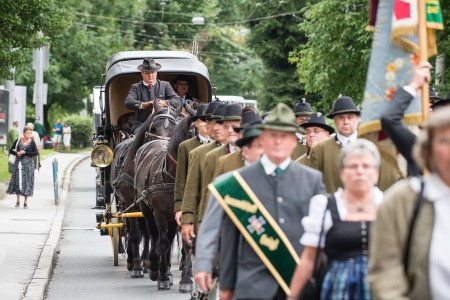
x=12, y=158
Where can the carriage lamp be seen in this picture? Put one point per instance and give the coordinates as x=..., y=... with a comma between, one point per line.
x=101, y=156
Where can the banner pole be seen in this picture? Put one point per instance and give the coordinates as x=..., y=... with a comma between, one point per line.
x=423, y=55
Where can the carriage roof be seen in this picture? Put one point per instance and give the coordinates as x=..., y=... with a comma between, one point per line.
x=183, y=62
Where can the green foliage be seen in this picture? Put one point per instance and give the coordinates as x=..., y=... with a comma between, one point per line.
x=443, y=43
x=272, y=39
x=335, y=57
x=81, y=130
x=26, y=25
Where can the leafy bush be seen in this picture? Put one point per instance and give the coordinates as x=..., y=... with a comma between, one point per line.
x=81, y=130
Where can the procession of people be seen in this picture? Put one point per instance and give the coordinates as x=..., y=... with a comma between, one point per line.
x=269, y=207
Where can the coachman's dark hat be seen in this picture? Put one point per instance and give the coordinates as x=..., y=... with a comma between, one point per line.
x=218, y=113
x=302, y=108
x=317, y=120
x=249, y=116
x=232, y=113
x=149, y=65
x=199, y=113
x=250, y=132
x=281, y=118
x=210, y=109
x=343, y=105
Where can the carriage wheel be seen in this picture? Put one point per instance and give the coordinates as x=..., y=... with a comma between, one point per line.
x=115, y=236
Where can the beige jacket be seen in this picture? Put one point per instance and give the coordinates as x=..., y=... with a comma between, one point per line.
x=387, y=242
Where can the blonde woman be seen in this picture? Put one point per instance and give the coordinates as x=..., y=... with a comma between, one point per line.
x=22, y=177
x=424, y=273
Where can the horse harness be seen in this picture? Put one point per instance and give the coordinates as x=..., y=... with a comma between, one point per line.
x=158, y=182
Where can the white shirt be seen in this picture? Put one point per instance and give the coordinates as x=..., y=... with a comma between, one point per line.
x=346, y=139
x=438, y=192
x=231, y=148
x=269, y=166
x=312, y=224
x=203, y=139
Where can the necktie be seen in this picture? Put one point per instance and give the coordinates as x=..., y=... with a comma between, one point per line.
x=278, y=171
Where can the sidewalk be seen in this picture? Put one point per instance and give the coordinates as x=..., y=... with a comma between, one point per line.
x=29, y=237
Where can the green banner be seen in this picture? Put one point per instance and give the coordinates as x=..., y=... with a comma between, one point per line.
x=434, y=15
x=257, y=226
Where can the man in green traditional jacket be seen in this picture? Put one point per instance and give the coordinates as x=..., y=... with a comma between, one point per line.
x=193, y=188
x=302, y=110
x=316, y=130
x=183, y=155
x=325, y=155
x=231, y=119
x=284, y=188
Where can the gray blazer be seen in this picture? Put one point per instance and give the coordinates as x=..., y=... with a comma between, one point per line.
x=139, y=93
x=286, y=197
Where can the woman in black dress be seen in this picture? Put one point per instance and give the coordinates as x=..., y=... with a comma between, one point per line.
x=22, y=177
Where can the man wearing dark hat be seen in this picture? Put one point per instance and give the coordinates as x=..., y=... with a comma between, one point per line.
x=324, y=155
x=302, y=110
x=264, y=203
x=182, y=158
x=230, y=120
x=141, y=95
x=196, y=168
x=179, y=192
x=207, y=242
x=316, y=130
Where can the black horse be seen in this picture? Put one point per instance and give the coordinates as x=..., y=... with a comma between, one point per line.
x=158, y=126
x=154, y=183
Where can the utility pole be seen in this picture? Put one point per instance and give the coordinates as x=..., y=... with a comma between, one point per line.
x=40, y=64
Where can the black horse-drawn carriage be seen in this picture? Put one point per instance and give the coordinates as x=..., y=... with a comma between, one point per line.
x=112, y=140
x=121, y=72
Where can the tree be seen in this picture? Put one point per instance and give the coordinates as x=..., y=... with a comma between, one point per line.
x=335, y=58
x=79, y=54
x=274, y=34
x=26, y=25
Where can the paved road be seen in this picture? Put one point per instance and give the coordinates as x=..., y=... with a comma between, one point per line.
x=84, y=268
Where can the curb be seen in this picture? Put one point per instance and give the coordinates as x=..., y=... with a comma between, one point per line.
x=38, y=285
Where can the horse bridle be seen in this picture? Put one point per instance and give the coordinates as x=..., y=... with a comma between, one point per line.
x=168, y=118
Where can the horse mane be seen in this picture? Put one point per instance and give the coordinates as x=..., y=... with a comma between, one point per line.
x=140, y=136
x=179, y=134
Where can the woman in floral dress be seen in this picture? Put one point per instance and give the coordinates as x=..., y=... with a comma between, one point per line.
x=22, y=177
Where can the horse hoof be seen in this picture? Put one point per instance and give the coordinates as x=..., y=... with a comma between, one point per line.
x=153, y=275
x=164, y=285
x=130, y=266
x=137, y=274
x=185, y=287
x=145, y=270
x=171, y=279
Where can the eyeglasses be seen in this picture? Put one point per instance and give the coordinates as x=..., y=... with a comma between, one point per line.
x=315, y=131
x=355, y=167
